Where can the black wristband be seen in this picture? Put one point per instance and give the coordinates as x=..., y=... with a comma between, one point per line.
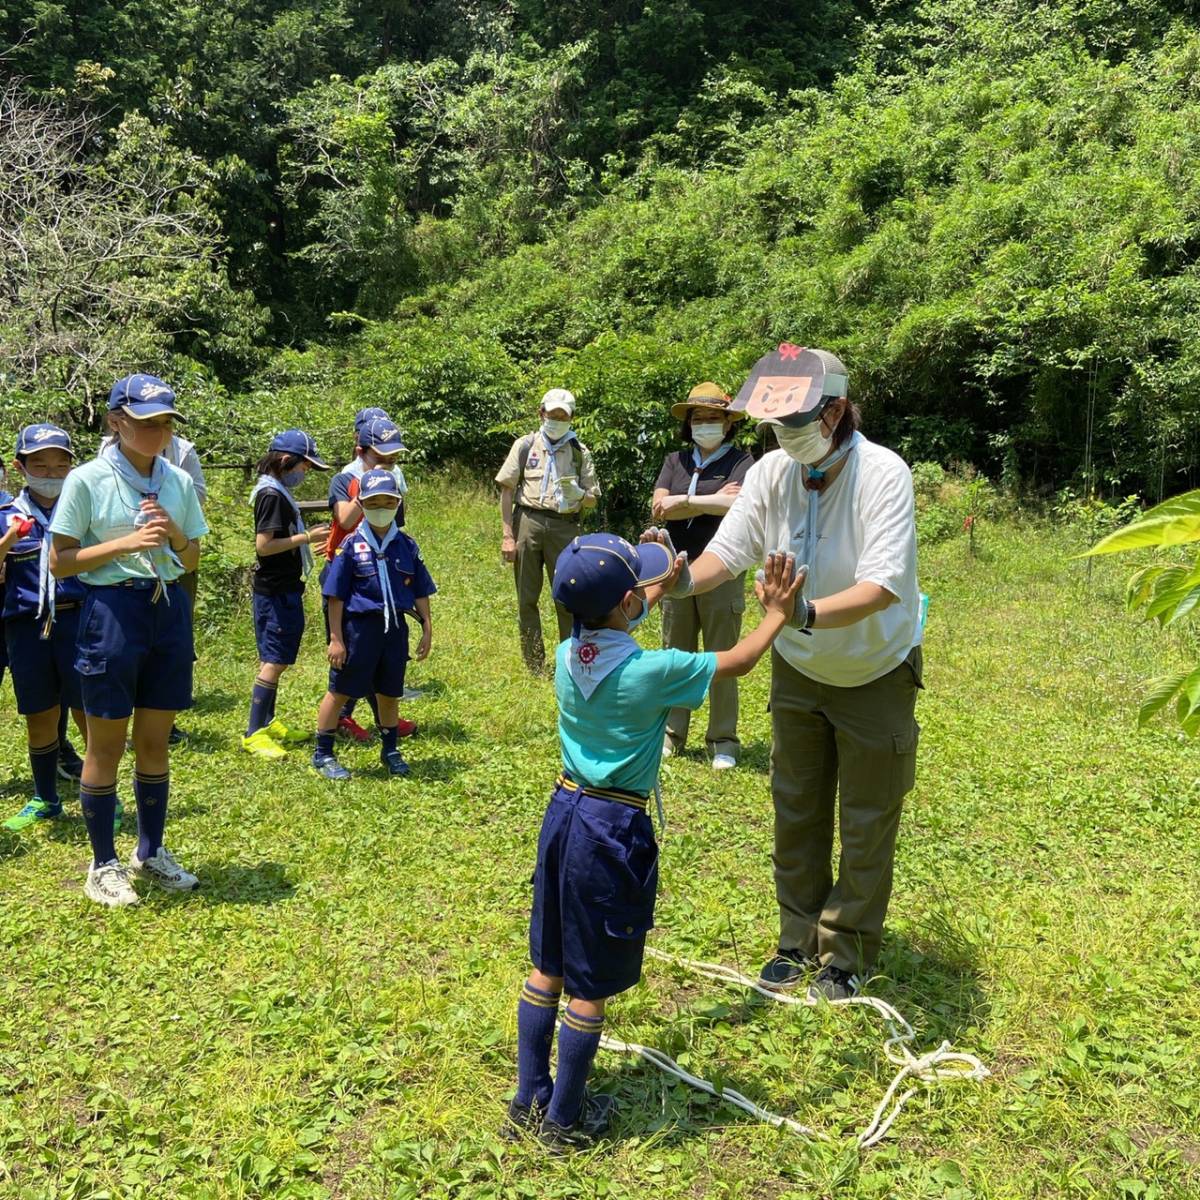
x=810, y=615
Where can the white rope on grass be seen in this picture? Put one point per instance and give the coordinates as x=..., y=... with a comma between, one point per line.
x=938, y=1065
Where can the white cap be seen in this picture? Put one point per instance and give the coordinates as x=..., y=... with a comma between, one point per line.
x=557, y=398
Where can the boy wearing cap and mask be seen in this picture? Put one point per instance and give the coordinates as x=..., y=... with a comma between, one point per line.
x=378, y=444
x=597, y=864
x=546, y=481
x=844, y=677
x=41, y=614
x=376, y=579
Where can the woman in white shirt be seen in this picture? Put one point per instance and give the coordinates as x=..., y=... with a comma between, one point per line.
x=845, y=676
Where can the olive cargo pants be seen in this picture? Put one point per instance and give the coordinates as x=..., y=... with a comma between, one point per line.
x=717, y=615
x=541, y=536
x=858, y=744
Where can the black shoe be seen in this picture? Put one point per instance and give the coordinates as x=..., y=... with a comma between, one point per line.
x=176, y=736
x=523, y=1120
x=595, y=1116
x=786, y=969
x=395, y=764
x=834, y=984
x=70, y=765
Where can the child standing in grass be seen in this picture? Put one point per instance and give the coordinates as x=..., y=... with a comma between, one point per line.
x=284, y=560
x=597, y=865
x=41, y=614
x=376, y=578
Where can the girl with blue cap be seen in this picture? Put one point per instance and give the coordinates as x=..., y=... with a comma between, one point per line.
x=128, y=524
x=41, y=615
x=284, y=560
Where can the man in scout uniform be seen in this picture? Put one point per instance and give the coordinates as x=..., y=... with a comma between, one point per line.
x=546, y=481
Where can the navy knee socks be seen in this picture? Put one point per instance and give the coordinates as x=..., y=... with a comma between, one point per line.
x=578, y=1040
x=99, y=808
x=262, y=705
x=43, y=760
x=536, y=1013
x=150, y=792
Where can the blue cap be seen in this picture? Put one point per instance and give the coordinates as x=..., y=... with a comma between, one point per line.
x=33, y=438
x=595, y=571
x=365, y=416
x=143, y=396
x=381, y=435
x=296, y=441
x=378, y=482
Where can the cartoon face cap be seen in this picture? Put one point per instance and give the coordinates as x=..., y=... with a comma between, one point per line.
x=792, y=386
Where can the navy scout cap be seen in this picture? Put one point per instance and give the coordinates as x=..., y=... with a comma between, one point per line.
x=378, y=482
x=143, y=396
x=792, y=386
x=381, y=436
x=33, y=438
x=596, y=570
x=296, y=441
x=365, y=416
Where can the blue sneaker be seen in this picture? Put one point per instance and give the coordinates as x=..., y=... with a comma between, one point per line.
x=36, y=810
x=328, y=767
x=395, y=763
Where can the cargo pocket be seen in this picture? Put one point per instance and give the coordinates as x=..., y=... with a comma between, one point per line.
x=904, y=771
x=631, y=923
x=90, y=662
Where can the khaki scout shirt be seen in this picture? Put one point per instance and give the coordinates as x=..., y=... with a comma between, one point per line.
x=528, y=489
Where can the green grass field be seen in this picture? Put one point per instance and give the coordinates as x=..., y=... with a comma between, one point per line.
x=334, y=1013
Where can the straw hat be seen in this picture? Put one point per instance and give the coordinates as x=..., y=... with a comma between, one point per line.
x=704, y=395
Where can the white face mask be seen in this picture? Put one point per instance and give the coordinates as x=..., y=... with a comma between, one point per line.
x=50, y=488
x=806, y=445
x=380, y=518
x=553, y=430
x=709, y=435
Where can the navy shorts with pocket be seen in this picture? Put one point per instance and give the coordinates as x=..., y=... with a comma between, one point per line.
x=133, y=652
x=43, y=669
x=278, y=626
x=593, y=893
x=375, y=661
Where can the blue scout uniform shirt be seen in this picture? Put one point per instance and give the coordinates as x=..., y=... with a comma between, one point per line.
x=614, y=739
x=97, y=506
x=353, y=577
x=21, y=567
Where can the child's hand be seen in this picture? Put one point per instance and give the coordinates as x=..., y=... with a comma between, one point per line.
x=780, y=585
x=425, y=642
x=337, y=654
x=146, y=537
x=317, y=533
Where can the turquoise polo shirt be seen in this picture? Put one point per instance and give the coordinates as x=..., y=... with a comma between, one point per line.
x=97, y=505
x=614, y=739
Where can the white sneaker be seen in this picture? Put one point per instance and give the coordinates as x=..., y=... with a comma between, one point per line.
x=411, y=693
x=723, y=762
x=108, y=884
x=668, y=749
x=163, y=870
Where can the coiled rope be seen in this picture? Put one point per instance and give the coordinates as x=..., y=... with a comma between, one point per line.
x=938, y=1065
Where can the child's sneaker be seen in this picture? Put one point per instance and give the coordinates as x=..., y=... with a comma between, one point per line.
x=328, y=767
x=285, y=733
x=395, y=763
x=163, y=870
x=36, y=810
x=70, y=765
x=595, y=1116
x=108, y=884
x=405, y=728
x=261, y=744
x=348, y=727
x=522, y=1120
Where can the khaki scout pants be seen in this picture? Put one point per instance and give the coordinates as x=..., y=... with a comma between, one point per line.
x=541, y=537
x=858, y=743
x=717, y=615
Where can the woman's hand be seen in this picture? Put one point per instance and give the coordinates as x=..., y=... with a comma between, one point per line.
x=337, y=653
x=672, y=504
x=316, y=534
x=780, y=585
x=730, y=489
x=425, y=642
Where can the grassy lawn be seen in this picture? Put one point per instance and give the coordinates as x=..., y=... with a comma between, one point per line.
x=334, y=1013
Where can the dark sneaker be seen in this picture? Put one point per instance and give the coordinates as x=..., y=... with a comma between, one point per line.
x=70, y=765
x=395, y=763
x=328, y=767
x=176, y=737
x=834, y=984
x=595, y=1116
x=786, y=969
x=523, y=1120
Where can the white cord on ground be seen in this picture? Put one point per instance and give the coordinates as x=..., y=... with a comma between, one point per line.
x=933, y=1067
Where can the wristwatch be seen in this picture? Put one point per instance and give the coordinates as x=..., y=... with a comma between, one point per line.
x=810, y=615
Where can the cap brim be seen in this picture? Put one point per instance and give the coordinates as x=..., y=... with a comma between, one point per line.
x=316, y=462
x=656, y=563
x=153, y=409
x=389, y=448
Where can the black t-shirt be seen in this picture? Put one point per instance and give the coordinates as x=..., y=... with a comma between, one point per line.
x=694, y=533
x=276, y=572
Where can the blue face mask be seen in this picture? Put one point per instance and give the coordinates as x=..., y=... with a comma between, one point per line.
x=636, y=621
x=293, y=478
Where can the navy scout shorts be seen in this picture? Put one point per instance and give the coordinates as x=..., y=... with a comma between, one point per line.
x=278, y=626
x=375, y=661
x=593, y=893
x=43, y=669
x=134, y=653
